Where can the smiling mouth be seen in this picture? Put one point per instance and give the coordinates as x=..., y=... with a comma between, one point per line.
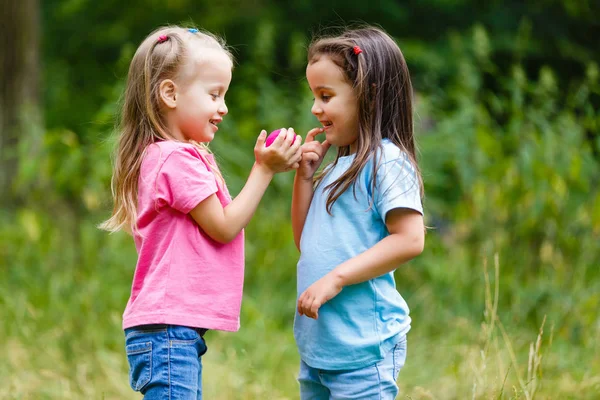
x=326, y=124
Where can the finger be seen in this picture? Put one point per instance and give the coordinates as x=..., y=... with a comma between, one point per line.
x=300, y=303
x=314, y=308
x=310, y=146
x=310, y=136
x=296, y=165
x=306, y=304
x=291, y=135
x=297, y=142
x=307, y=307
x=294, y=144
x=298, y=154
x=325, y=147
x=260, y=141
x=310, y=156
x=280, y=138
x=290, y=144
x=302, y=307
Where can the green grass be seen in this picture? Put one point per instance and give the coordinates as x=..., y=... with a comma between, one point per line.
x=62, y=292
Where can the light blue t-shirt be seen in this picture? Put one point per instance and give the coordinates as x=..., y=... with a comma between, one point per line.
x=364, y=321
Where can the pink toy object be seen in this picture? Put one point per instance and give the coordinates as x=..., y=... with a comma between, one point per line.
x=272, y=136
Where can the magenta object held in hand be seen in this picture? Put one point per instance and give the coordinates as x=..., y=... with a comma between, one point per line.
x=272, y=136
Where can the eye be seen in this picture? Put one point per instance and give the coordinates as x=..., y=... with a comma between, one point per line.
x=325, y=98
x=214, y=96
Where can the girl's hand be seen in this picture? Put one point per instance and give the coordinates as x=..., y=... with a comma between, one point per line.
x=282, y=155
x=318, y=294
x=313, y=153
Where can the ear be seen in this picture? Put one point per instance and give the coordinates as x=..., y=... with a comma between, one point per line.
x=168, y=93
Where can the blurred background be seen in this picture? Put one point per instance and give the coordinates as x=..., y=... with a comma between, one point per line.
x=505, y=299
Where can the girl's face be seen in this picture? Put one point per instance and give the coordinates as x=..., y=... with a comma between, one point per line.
x=335, y=104
x=200, y=95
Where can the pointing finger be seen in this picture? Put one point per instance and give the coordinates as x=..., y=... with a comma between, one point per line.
x=310, y=136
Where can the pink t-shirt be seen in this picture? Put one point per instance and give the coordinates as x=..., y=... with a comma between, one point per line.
x=182, y=277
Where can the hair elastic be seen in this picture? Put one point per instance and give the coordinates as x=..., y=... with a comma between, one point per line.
x=162, y=38
x=357, y=50
x=193, y=30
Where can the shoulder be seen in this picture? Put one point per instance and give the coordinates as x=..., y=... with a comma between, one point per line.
x=173, y=152
x=166, y=148
x=389, y=152
x=388, y=157
x=393, y=158
x=393, y=167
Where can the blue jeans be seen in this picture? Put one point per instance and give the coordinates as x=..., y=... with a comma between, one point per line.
x=164, y=361
x=374, y=382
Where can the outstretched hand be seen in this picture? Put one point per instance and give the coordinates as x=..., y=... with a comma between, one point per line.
x=313, y=153
x=318, y=294
x=283, y=154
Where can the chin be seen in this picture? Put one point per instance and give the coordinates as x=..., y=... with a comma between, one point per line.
x=332, y=140
x=207, y=138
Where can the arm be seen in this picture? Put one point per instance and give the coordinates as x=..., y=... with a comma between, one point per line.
x=405, y=241
x=301, y=198
x=313, y=153
x=224, y=224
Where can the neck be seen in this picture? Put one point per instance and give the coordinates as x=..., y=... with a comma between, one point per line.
x=353, y=148
x=173, y=128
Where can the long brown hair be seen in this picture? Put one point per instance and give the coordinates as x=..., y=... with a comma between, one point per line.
x=381, y=82
x=142, y=122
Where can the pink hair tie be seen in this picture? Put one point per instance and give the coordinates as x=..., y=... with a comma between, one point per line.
x=162, y=38
x=357, y=50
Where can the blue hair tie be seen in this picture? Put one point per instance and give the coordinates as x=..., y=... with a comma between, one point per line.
x=193, y=30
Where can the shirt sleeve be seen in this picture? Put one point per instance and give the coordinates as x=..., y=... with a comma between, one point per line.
x=397, y=186
x=184, y=181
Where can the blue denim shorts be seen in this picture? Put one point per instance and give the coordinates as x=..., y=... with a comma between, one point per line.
x=374, y=382
x=165, y=361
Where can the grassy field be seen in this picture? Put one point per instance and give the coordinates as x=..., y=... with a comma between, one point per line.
x=63, y=291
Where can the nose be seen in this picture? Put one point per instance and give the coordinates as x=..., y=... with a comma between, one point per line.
x=223, y=109
x=316, y=109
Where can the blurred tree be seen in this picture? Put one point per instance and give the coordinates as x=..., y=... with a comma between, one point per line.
x=20, y=113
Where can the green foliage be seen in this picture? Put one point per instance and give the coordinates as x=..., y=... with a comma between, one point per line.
x=507, y=122
x=510, y=170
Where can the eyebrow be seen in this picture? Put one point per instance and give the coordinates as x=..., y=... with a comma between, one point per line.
x=219, y=86
x=320, y=87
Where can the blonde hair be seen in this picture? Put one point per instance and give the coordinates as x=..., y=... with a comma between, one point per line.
x=158, y=57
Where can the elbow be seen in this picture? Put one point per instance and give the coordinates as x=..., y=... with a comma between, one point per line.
x=222, y=236
x=418, y=245
x=297, y=242
x=297, y=239
x=222, y=239
x=410, y=246
x=297, y=235
x=226, y=238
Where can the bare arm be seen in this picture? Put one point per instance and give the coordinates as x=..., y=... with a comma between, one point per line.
x=301, y=198
x=224, y=224
x=313, y=153
x=406, y=241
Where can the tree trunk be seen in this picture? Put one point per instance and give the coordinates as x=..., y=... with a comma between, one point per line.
x=20, y=114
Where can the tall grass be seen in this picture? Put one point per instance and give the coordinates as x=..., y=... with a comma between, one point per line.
x=61, y=337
